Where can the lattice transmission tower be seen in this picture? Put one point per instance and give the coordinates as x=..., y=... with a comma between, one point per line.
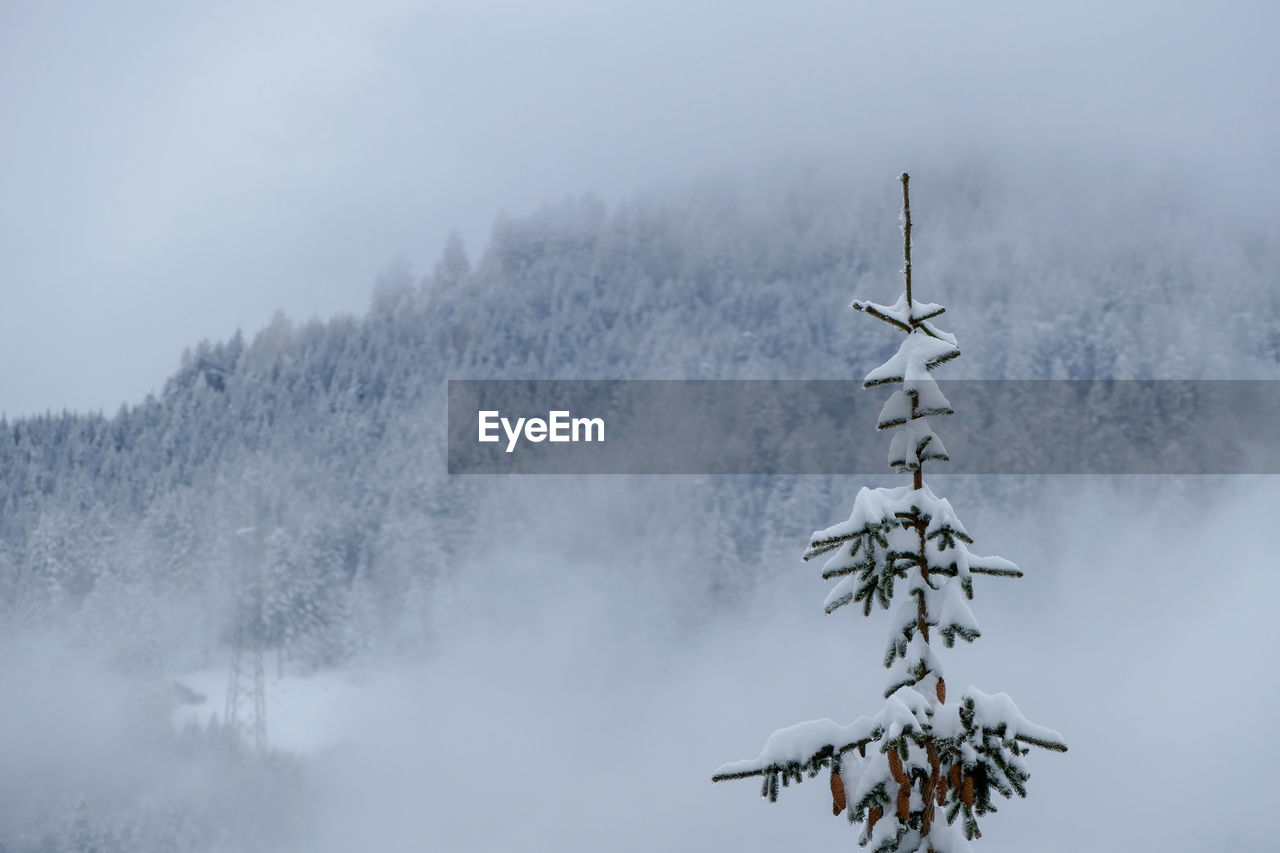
x=246, y=712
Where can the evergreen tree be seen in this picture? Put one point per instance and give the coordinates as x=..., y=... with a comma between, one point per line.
x=919, y=772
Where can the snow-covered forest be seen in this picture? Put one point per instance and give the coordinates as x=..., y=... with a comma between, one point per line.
x=441, y=649
x=329, y=435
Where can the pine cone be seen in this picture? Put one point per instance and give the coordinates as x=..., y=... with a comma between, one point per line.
x=966, y=791
x=837, y=792
x=955, y=776
x=904, y=803
x=942, y=691
x=942, y=790
x=895, y=767
x=873, y=815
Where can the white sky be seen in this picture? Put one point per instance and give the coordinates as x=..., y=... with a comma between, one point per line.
x=169, y=174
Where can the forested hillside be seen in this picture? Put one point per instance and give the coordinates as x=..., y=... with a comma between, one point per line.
x=326, y=437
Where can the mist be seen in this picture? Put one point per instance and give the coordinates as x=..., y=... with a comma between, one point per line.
x=578, y=721
x=567, y=707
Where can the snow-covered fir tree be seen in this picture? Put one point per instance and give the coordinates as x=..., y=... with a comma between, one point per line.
x=919, y=772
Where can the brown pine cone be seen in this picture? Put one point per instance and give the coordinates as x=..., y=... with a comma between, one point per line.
x=837, y=793
x=895, y=767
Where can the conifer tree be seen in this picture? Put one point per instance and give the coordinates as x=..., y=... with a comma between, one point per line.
x=919, y=772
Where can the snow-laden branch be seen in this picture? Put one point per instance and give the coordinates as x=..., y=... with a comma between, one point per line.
x=993, y=714
x=804, y=746
x=916, y=356
x=811, y=745
x=904, y=534
x=899, y=315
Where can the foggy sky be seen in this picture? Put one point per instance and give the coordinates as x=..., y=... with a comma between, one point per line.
x=169, y=174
